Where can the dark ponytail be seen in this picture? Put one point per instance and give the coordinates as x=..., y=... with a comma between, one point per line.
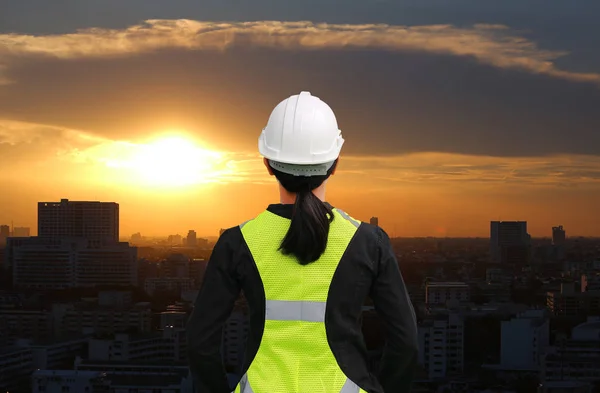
x=307, y=236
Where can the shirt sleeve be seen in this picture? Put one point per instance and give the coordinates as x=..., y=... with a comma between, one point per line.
x=216, y=298
x=392, y=303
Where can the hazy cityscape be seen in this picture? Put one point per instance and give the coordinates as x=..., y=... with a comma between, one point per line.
x=134, y=133
x=82, y=311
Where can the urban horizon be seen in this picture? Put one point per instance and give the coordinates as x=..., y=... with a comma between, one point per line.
x=392, y=230
x=133, y=133
x=80, y=309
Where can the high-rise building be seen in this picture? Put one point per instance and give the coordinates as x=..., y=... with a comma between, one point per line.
x=191, y=239
x=96, y=221
x=374, y=221
x=136, y=238
x=524, y=340
x=439, y=293
x=558, y=235
x=4, y=234
x=441, y=339
x=175, y=240
x=576, y=359
x=21, y=232
x=77, y=246
x=69, y=262
x=509, y=242
x=235, y=333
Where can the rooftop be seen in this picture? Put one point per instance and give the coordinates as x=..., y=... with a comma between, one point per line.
x=50, y=342
x=143, y=380
x=67, y=373
x=11, y=349
x=447, y=284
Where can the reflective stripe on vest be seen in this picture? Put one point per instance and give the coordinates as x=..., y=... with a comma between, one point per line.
x=244, y=387
x=294, y=342
x=286, y=310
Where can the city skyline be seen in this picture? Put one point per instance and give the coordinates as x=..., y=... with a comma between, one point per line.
x=129, y=145
x=87, y=207
x=453, y=115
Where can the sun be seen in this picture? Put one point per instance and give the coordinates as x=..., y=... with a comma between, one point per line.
x=173, y=161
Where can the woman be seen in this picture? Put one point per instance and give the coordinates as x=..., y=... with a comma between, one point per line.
x=305, y=269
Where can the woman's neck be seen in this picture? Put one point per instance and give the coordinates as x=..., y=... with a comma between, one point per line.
x=289, y=198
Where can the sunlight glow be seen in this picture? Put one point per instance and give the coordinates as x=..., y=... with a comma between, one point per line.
x=169, y=161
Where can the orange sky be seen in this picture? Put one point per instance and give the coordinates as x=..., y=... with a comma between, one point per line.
x=446, y=128
x=184, y=187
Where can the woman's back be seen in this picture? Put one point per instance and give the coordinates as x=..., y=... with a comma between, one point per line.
x=294, y=340
x=306, y=270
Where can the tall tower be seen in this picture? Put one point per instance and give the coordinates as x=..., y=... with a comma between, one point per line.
x=558, y=235
x=509, y=242
x=96, y=221
x=191, y=239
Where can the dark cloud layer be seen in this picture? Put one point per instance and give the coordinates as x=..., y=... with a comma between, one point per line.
x=387, y=102
x=555, y=24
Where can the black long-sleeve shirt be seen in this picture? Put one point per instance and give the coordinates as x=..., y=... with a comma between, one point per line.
x=367, y=268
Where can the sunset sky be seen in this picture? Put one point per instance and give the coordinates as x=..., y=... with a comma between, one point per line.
x=455, y=113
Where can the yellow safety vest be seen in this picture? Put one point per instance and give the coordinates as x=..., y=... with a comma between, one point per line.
x=294, y=355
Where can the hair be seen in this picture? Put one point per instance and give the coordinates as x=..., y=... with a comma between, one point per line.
x=307, y=236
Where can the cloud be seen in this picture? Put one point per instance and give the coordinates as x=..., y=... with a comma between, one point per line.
x=130, y=84
x=435, y=169
x=495, y=45
x=422, y=169
x=81, y=156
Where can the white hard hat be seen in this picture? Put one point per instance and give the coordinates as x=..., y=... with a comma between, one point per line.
x=301, y=136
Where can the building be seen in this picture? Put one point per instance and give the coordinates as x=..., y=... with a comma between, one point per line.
x=43, y=264
x=234, y=338
x=60, y=381
x=176, y=266
x=4, y=234
x=439, y=293
x=191, y=239
x=69, y=262
x=136, y=238
x=142, y=381
x=175, y=240
x=577, y=358
x=5, y=272
x=114, y=264
x=197, y=270
x=173, y=319
x=497, y=276
x=144, y=377
x=115, y=299
x=571, y=303
x=202, y=243
x=566, y=387
x=171, y=284
x=16, y=365
x=170, y=345
x=84, y=317
x=21, y=232
x=374, y=221
x=58, y=352
x=509, y=242
x=20, y=323
x=558, y=236
x=441, y=346
x=96, y=221
x=17, y=362
x=524, y=340
x=590, y=282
